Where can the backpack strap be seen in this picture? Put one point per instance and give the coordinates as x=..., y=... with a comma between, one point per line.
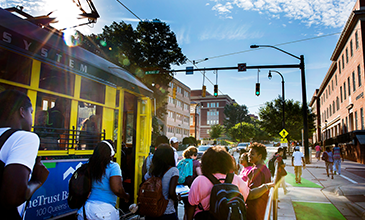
x=212, y=178
x=6, y=135
x=229, y=178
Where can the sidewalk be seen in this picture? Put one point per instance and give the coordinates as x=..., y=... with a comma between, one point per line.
x=320, y=197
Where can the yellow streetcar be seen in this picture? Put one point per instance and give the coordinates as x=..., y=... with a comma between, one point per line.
x=96, y=99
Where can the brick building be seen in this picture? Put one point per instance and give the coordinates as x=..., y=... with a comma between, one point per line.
x=339, y=101
x=211, y=112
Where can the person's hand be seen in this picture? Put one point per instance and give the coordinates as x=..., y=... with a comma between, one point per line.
x=303, y=166
x=126, y=198
x=40, y=172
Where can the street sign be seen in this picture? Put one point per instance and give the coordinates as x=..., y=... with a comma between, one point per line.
x=189, y=70
x=152, y=72
x=241, y=67
x=283, y=140
x=283, y=133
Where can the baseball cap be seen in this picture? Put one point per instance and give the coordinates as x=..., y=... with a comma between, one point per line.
x=174, y=140
x=296, y=148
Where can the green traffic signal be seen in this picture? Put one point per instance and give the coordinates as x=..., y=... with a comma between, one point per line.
x=215, y=90
x=257, y=89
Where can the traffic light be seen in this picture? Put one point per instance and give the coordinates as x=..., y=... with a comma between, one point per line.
x=174, y=93
x=204, y=91
x=257, y=89
x=215, y=90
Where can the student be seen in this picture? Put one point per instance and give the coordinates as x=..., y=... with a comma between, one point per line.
x=163, y=165
x=107, y=184
x=281, y=168
x=298, y=162
x=18, y=155
x=337, y=156
x=328, y=158
x=318, y=152
x=247, y=166
x=258, y=176
x=174, y=142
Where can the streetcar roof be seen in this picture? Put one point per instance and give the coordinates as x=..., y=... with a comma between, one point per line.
x=51, y=41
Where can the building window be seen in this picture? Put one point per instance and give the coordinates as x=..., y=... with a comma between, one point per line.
x=191, y=119
x=351, y=49
x=343, y=62
x=344, y=90
x=337, y=104
x=356, y=120
x=341, y=94
x=332, y=84
x=186, y=94
x=333, y=107
x=349, y=86
x=329, y=90
x=353, y=81
x=362, y=118
x=359, y=75
x=346, y=126
x=217, y=104
x=212, y=105
x=347, y=56
x=178, y=103
x=336, y=79
x=339, y=67
x=208, y=104
x=356, y=40
x=179, y=89
x=330, y=111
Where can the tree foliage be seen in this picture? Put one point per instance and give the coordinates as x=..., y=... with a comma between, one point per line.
x=151, y=46
x=216, y=131
x=235, y=114
x=271, y=117
x=243, y=131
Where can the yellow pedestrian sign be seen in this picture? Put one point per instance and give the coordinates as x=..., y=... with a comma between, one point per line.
x=283, y=140
x=283, y=133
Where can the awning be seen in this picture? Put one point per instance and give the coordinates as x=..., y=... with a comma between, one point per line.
x=361, y=138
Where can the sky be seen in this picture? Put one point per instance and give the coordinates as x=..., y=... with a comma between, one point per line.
x=222, y=31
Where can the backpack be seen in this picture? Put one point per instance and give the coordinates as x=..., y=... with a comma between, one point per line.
x=271, y=165
x=8, y=213
x=79, y=187
x=185, y=167
x=151, y=201
x=324, y=156
x=226, y=201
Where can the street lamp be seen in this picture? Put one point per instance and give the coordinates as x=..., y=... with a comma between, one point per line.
x=304, y=96
x=282, y=92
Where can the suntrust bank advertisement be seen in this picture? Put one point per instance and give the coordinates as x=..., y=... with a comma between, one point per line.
x=51, y=199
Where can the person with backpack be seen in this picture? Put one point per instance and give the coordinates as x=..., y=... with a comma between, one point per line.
x=189, y=168
x=163, y=167
x=281, y=168
x=327, y=156
x=258, y=176
x=106, y=184
x=18, y=155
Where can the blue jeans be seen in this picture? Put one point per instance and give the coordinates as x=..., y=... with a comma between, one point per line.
x=337, y=165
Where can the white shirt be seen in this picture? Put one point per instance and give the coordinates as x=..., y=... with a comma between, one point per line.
x=298, y=158
x=20, y=148
x=176, y=156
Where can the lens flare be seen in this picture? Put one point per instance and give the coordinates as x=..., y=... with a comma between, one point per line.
x=72, y=38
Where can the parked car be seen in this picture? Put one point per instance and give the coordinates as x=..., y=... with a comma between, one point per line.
x=242, y=147
x=202, y=149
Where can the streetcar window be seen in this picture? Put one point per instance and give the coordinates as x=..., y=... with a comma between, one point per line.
x=56, y=80
x=14, y=67
x=92, y=91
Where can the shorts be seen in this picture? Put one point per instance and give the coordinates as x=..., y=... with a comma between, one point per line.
x=99, y=211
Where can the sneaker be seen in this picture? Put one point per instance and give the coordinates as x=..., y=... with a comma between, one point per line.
x=332, y=177
x=334, y=173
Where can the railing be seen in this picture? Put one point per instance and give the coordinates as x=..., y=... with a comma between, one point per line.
x=64, y=139
x=272, y=201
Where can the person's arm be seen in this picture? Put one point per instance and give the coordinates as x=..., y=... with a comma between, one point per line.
x=190, y=211
x=172, y=188
x=257, y=192
x=16, y=189
x=292, y=161
x=303, y=162
x=116, y=185
x=199, y=171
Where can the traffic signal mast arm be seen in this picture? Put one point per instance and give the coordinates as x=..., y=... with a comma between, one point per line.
x=247, y=67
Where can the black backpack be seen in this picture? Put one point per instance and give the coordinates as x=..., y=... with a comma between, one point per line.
x=226, y=201
x=271, y=165
x=7, y=213
x=79, y=187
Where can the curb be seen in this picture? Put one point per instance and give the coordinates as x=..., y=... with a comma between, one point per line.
x=356, y=209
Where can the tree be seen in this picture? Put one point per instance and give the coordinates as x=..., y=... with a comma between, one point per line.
x=216, y=131
x=235, y=114
x=243, y=131
x=152, y=46
x=271, y=118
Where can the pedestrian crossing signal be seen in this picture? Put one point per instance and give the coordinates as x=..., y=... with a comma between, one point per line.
x=257, y=89
x=215, y=90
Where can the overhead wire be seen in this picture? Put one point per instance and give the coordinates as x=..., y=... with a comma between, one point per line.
x=129, y=10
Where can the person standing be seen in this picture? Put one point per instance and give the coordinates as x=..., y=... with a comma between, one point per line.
x=298, y=162
x=337, y=156
x=56, y=121
x=328, y=158
x=106, y=184
x=281, y=168
x=174, y=142
x=318, y=152
x=22, y=171
x=247, y=166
